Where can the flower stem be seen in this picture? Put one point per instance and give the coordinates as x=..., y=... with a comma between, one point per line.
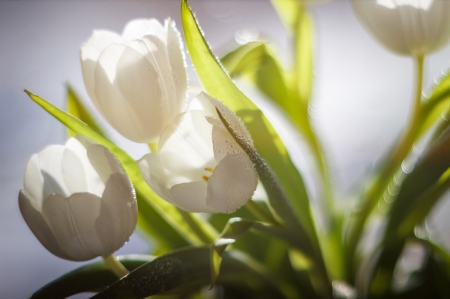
x=153, y=146
x=115, y=266
x=388, y=169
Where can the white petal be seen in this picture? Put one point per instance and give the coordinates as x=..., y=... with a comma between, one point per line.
x=151, y=169
x=138, y=28
x=78, y=145
x=406, y=27
x=128, y=94
x=233, y=120
x=73, y=172
x=167, y=105
x=177, y=60
x=192, y=133
x=44, y=176
x=232, y=183
x=155, y=175
x=90, y=53
x=118, y=213
x=100, y=40
x=39, y=226
x=72, y=221
x=224, y=144
x=191, y=197
x=104, y=162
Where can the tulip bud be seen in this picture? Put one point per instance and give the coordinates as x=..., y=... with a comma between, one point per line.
x=78, y=200
x=407, y=27
x=137, y=81
x=199, y=166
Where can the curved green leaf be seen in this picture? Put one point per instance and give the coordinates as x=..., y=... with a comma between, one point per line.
x=76, y=108
x=158, y=217
x=90, y=278
x=219, y=85
x=191, y=267
x=257, y=62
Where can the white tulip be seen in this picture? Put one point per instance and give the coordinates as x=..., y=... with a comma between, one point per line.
x=407, y=27
x=199, y=166
x=78, y=200
x=137, y=81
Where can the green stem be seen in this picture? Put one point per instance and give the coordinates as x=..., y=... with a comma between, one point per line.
x=387, y=171
x=115, y=266
x=153, y=146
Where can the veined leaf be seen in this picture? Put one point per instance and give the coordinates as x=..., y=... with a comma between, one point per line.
x=191, y=267
x=90, y=278
x=160, y=218
x=76, y=108
x=219, y=85
x=235, y=229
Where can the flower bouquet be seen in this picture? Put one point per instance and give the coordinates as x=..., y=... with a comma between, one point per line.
x=194, y=194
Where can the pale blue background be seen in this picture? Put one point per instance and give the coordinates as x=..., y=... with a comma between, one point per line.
x=361, y=98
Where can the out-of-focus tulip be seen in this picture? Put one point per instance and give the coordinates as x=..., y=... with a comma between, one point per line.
x=199, y=166
x=407, y=27
x=138, y=81
x=78, y=200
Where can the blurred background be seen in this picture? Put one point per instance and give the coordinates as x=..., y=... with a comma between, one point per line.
x=360, y=100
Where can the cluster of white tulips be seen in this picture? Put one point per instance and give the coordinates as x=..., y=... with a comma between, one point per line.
x=77, y=198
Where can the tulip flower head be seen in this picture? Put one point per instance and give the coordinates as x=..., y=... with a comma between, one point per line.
x=78, y=200
x=407, y=27
x=199, y=167
x=137, y=81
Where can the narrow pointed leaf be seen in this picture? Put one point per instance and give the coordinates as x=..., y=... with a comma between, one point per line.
x=161, y=219
x=282, y=207
x=219, y=85
x=76, y=108
x=90, y=278
x=191, y=266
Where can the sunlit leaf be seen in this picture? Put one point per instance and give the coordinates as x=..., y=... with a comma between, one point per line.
x=90, y=278
x=219, y=85
x=277, y=199
x=257, y=62
x=191, y=266
x=76, y=108
x=156, y=216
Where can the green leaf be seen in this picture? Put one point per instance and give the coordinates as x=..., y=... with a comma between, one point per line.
x=257, y=62
x=423, y=181
x=191, y=267
x=235, y=229
x=76, y=108
x=90, y=278
x=437, y=106
x=298, y=236
x=419, y=192
x=219, y=85
x=156, y=216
